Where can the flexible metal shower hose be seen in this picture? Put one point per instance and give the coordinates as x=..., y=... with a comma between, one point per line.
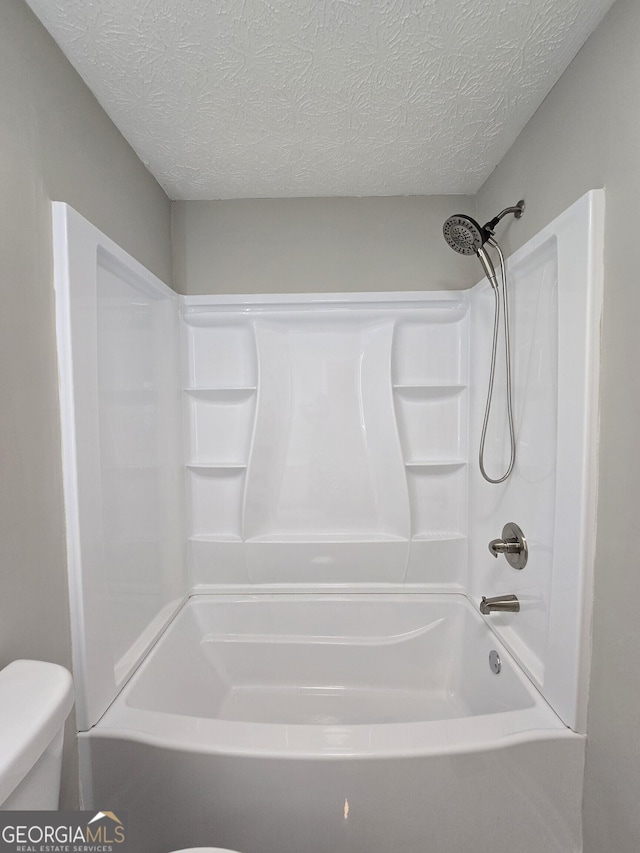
x=487, y=412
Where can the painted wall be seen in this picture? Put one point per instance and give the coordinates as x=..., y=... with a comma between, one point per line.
x=55, y=143
x=318, y=245
x=587, y=134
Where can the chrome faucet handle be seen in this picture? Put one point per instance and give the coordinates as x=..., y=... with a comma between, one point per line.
x=513, y=545
x=499, y=604
x=502, y=546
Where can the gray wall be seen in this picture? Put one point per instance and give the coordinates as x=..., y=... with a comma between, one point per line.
x=55, y=143
x=587, y=134
x=318, y=245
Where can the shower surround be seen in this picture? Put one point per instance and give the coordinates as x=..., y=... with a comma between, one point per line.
x=284, y=490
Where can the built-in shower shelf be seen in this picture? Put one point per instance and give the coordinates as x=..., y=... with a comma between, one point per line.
x=214, y=466
x=215, y=537
x=427, y=392
x=438, y=537
x=223, y=395
x=438, y=466
x=315, y=538
x=317, y=501
x=219, y=420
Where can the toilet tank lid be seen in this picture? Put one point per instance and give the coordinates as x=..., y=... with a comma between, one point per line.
x=35, y=700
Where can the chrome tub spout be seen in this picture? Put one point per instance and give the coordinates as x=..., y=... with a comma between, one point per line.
x=499, y=604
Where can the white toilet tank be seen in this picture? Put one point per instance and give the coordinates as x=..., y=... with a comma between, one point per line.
x=35, y=701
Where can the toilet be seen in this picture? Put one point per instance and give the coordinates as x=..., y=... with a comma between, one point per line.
x=35, y=701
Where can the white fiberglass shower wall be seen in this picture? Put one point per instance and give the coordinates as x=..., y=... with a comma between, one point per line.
x=327, y=440
x=119, y=364
x=556, y=296
x=319, y=445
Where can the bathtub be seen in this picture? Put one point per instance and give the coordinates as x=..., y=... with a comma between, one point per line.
x=326, y=723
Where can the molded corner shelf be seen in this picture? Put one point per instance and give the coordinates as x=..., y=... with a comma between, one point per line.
x=219, y=425
x=212, y=466
x=326, y=538
x=230, y=394
x=428, y=391
x=438, y=537
x=215, y=537
x=441, y=465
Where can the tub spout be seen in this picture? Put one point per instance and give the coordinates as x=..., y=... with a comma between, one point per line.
x=499, y=603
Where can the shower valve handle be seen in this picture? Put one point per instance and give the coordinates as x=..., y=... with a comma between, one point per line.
x=499, y=546
x=513, y=545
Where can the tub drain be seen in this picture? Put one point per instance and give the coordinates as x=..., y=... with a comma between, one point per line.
x=494, y=661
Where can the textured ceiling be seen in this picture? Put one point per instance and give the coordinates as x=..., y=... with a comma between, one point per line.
x=277, y=98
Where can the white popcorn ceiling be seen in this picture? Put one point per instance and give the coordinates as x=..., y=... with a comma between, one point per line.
x=281, y=98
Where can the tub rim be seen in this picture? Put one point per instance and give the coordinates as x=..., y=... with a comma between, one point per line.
x=472, y=734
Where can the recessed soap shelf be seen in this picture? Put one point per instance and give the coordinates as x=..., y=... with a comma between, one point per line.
x=326, y=538
x=221, y=355
x=430, y=391
x=431, y=422
x=437, y=464
x=228, y=394
x=214, y=538
x=438, y=537
x=437, y=499
x=427, y=353
x=212, y=466
x=219, y=405
x=215, y=500
x=219, y=425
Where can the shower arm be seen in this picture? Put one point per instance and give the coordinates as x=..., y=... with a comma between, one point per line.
x=517, y=211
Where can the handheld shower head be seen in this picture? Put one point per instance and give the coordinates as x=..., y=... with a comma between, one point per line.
x=487, y=266
x=467, y=237
x=463, y=234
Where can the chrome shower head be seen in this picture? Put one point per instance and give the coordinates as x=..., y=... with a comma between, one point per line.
x=467, y=237
x=464, y=235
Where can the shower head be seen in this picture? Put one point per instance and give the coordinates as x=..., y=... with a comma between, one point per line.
x=467, y=237
x=463, y=234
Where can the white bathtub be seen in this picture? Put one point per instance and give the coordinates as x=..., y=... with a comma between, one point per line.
x=329, y=723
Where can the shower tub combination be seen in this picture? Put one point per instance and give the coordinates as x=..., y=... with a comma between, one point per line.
x=354, y=723
x=310, y=669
